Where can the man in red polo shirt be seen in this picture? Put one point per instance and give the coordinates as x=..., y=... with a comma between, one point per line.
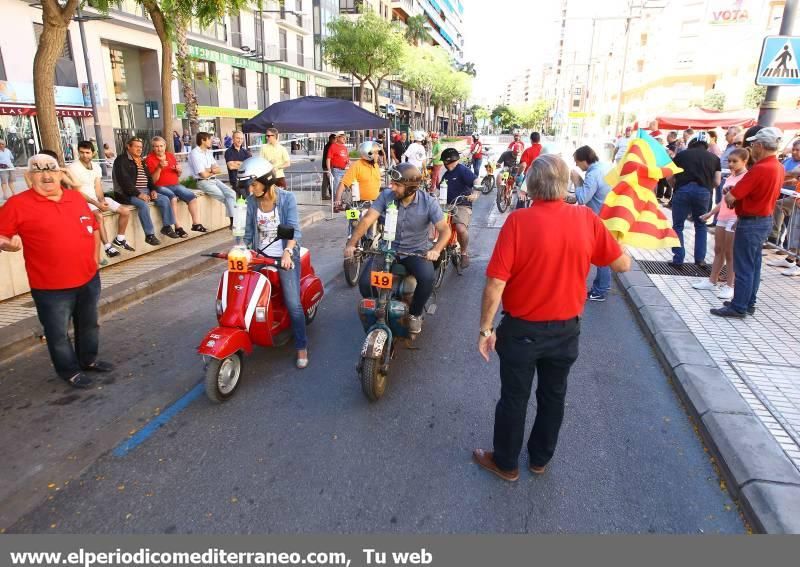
x=539, y=268
x=754, y=198
x=64, y=279
x=338, y=158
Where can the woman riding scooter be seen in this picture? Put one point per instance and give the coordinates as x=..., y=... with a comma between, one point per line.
x=267, y=207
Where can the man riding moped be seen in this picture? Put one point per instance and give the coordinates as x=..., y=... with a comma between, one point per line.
x=416, y=211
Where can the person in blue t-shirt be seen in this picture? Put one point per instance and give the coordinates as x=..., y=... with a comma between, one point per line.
x=461, y=182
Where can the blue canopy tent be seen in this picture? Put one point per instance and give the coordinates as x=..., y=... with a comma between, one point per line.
x=314, y=114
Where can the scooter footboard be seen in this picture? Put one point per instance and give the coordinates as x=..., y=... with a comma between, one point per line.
x=223, y=342
x=377, y=343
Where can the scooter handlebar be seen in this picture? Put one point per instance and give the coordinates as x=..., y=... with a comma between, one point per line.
x=257, y=260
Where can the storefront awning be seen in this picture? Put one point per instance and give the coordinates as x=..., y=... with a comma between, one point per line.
x=30, y=110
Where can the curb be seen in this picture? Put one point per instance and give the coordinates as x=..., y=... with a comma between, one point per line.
x=25, y=334
x=754, y=466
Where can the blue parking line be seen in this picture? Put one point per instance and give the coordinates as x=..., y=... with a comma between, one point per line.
x=145, y=432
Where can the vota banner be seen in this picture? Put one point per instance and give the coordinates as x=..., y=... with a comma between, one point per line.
x=727, y=12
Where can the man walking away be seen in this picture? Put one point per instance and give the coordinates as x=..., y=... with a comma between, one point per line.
x=204, y=167
x=134, y=186
x=591, y=190
x=702, y=173
x=65, y=283
x=326, y=175
x=754, y=200
x=234, y=156
x=538, y=268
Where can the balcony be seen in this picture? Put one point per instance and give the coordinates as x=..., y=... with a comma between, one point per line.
x=404, y=8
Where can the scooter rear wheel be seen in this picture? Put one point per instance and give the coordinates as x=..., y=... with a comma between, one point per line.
x=373, y=381
x=223, y=377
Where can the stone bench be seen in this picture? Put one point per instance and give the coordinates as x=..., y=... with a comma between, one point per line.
x=14, y=281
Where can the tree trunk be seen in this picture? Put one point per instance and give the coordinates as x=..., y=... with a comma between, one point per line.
x=184, y=65
x=51, y=44
x=160, y=25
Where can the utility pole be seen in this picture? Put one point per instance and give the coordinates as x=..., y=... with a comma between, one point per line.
x=618, y=120
x=769, y=106
x=98, y=132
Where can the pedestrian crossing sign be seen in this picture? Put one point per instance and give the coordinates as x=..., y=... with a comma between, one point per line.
x=779, y=65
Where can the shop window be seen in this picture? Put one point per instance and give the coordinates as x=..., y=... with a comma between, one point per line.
x=285, y=85
x=66, y=75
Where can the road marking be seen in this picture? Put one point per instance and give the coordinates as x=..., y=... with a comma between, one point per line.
x=154, y=425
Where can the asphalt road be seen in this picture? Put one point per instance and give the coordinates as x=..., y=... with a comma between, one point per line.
x=305, y=452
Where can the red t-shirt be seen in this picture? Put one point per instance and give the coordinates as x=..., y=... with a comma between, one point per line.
x=531, y=154
x=758, y=190
x=543, y=253
x=516, y=145
x=57, y=237
x=339, y=156
x=476, y=147
x=169, y=175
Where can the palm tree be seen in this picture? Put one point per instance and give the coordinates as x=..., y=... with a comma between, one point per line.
x=416, y=32
x=469, y=69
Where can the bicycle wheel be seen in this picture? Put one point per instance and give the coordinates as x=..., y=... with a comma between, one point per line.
x=352, y=269
x=503, y=198
x=487, y=184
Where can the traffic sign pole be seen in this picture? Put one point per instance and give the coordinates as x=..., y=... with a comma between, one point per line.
x=769, y=106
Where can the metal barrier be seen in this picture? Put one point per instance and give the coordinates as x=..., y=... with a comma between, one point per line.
x=786, y=225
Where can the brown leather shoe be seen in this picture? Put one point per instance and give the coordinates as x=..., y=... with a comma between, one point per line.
x=486, y=460
x=536, y=470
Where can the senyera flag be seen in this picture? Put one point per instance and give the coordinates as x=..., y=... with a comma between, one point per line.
x=631, y=210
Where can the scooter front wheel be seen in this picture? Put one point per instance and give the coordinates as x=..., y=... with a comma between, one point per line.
x=373, y=381
x=222, y=377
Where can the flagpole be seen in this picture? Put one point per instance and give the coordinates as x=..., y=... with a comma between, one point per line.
x=769, y=106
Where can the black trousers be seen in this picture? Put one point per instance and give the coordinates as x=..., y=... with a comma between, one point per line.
x=547, y=349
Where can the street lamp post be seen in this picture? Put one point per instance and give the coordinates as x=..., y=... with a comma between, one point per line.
x=98, y=132
x=769, y=106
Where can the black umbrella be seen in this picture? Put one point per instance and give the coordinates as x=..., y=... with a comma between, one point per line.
x=314, y=114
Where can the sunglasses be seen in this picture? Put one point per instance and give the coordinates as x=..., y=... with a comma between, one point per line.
x=395, y=175
x=42, y=167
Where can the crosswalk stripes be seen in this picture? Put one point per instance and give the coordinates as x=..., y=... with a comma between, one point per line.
x=782, y=73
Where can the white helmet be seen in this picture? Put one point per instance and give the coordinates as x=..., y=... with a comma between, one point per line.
x=368, y=150
x=257, y=168
x=476, y=135
x=419, y=135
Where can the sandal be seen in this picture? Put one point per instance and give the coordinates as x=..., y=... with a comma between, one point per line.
x=302, y=362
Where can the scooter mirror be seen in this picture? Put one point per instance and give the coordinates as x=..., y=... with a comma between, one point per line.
x=285, y=232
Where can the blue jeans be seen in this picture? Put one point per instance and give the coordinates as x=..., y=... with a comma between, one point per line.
x=290, y=286
x=690, y=198
x=751, y=232
x=179, y=191
x=602, y=281
x=55, y=308
x=337, y=174
x=420, y=268
x=476, y=166
x=143, y=210
x=218, y=191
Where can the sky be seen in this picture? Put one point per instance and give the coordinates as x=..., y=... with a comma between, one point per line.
x=503, y=37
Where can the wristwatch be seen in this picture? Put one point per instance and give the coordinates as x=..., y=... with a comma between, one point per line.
x=488, y=332
x=289, y=250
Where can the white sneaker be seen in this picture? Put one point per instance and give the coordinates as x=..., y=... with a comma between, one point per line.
x=725, y=292
x=779, y=263
x=704, y=285
x=793, y=271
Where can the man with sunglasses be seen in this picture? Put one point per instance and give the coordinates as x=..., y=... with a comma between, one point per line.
x=64, y=279
x=417, y=210
x=277, y=155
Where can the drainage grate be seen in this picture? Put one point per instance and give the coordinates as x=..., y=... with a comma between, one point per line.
x=666, y=269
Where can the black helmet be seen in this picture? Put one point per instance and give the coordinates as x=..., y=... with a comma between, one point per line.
x=406, y=174
x=450, y=155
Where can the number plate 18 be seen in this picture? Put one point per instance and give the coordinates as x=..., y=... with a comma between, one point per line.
x=381, y=280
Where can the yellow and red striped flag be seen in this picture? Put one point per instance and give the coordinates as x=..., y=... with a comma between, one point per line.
x=631, y=211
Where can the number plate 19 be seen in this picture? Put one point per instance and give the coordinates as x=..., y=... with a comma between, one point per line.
x=381, y=280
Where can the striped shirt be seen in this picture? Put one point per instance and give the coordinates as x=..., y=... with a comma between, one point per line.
x=141, y=178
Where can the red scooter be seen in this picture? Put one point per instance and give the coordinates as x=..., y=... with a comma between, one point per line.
x=251, y=311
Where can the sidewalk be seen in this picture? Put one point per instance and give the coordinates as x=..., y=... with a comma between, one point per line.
x=740, y=378
x=125, y=282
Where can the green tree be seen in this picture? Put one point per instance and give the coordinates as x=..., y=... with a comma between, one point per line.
x=416, y=32
x=506, y=115
x=362, y=47
x=754, y=96
x=532, y=115
x=714, y=100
